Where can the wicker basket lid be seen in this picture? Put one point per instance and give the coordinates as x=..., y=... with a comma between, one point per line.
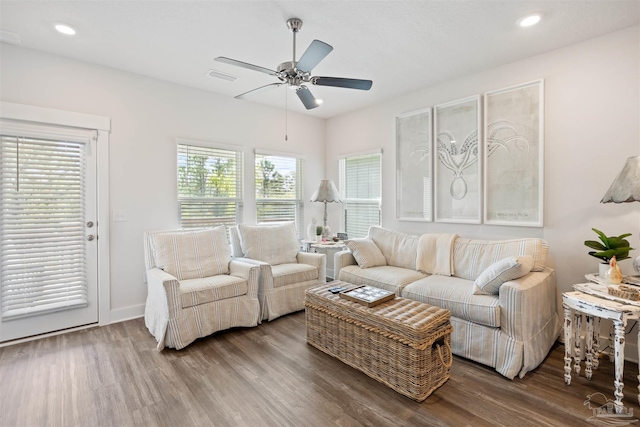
x=400, y=317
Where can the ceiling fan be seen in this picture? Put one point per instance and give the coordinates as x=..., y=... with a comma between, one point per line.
x=297, y=73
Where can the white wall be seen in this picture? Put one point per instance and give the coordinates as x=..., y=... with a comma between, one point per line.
x=592, y=109
x=147, y=115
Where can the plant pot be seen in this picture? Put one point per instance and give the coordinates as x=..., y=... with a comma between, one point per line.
x=603, y=269
x=319, y=238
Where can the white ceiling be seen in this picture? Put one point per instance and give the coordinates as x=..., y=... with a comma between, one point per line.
x=400, y=45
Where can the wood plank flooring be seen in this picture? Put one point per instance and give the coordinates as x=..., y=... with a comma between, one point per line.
x=266, y=376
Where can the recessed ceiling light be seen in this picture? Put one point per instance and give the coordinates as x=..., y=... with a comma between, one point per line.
x=65, y=29
x=319, y=101
x=529, y=20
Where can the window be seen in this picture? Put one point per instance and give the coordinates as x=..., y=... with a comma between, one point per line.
x=279, y=189
x=209, y=186
x=360, y=192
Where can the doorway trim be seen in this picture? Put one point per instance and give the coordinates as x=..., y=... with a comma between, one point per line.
x=41, y=115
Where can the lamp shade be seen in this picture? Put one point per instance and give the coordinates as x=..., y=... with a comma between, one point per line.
x=626, y=186
x=326, y=192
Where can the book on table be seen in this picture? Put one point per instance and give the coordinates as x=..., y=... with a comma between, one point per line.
x=368, y=295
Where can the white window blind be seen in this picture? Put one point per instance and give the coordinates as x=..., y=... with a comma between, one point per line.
x=360, y=182
x=278, y=182
x=42, y=188
x=209, y=186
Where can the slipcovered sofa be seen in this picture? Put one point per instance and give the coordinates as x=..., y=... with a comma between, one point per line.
x=501, y=293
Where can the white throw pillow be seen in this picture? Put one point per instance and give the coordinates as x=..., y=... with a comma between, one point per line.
x=192, y=254
x=366, y=253
x=273, y=244
x=511, y=268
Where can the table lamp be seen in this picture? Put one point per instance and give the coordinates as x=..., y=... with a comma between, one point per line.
x=625, y=189
x=326, y=192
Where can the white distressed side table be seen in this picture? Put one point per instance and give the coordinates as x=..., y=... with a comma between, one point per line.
x=329, y=249
x=593, y=300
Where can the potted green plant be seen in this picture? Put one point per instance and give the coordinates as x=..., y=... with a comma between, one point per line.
x=608, y=247
x=319, y=233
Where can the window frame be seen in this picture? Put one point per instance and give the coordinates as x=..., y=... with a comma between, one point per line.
x=346, y=201
x=297, y=202
x=234, y=151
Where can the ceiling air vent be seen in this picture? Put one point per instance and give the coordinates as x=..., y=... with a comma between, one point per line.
x=9, y=37
x=220, y=75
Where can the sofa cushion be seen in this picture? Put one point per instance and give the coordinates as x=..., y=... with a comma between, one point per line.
x=471, y=257
x=209, y=289
x=273, y=244
x=192, y=254
x=490, y=280
x=366, y=252
x=288, y=274
x=399, y=249
x=385, y=277
x=457, y=296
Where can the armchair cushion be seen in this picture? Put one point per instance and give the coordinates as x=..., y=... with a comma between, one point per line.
x=288, y=274
x=192, y=254
x=208, y=289
x=273, y=244
x=366, y=253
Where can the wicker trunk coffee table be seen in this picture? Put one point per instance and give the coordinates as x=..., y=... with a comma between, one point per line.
x=402, y=343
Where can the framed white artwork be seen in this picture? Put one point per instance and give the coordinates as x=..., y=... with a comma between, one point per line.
x=457, y=170
x=514, y=155
x=413, y=166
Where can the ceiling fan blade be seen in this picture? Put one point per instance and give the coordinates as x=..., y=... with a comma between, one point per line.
x=342, y=82
x=306, y=97
x=245, y=65
x=315, y=53
x=259, y=89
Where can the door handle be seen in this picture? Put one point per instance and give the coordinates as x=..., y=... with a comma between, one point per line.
x=90, y=237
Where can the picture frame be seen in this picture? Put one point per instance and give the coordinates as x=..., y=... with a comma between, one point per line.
x=457, y=161
x=514, y=155
x=414, y=166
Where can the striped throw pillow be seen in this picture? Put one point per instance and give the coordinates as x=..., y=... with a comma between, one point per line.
x=366, y=253
x=511, y=268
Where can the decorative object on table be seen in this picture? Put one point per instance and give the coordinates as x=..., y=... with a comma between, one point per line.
x=457, y=183
x=368, y=295
x=514, y=155
x=611, y=246
x=311, y=230
x=319, y=233
x=326, y=192
x=342, y=236
x=626, y=189
x=624, y=291
x=335, y=239
x=614, y=274
x=413, y=166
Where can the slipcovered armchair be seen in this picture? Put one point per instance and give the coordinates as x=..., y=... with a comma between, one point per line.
x=195, y=288
x=285, y=272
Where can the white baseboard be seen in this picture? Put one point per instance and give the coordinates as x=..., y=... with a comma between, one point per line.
x=127, y=313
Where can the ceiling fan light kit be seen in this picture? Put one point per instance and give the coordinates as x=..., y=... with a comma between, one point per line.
x=296, y=74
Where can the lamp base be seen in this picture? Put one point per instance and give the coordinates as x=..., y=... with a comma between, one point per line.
x=326, y=232
x=636, y=265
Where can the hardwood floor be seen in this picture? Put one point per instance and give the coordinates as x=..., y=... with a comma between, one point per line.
x=266, y=376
